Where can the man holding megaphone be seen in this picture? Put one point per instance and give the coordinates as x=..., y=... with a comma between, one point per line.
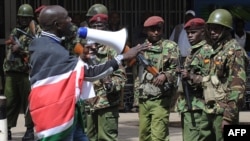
x=57, y=78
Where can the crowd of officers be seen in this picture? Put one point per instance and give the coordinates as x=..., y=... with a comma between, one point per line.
x=211, y=81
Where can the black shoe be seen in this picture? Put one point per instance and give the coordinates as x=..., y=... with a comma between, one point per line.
x=29, y=135
x=9, y=135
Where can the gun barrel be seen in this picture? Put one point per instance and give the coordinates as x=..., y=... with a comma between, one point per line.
x=28, y=35
x=185, y=86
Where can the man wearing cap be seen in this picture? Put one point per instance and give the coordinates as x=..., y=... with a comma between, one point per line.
x=180, y=37
x=155, y=91
x=226, y=82
x=103, y=110
x=196, y=66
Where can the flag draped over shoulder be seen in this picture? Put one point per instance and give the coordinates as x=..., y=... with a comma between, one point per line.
x=52, y=102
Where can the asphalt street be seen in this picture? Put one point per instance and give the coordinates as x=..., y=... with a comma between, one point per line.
x=128, y=126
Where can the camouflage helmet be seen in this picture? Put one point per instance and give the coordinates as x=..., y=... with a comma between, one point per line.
x=97, y=9
x=221, y=17
x=25, y=10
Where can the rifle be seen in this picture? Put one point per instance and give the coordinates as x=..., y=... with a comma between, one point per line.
x=149, y=67
x=25, y=33
x=11, y=41
x=14, y=40
x=184, y=85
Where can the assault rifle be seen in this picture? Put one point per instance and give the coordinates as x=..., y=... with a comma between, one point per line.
x=25, y=33
x=184, y=85
x=14, y=40
x=149, y=67
x=11, y=41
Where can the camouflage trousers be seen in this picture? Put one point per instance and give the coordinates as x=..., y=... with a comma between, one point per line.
x=17, y=89
x=154, y=119
x=102, y=124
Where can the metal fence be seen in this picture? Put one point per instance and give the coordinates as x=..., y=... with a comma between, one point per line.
x=131, y=11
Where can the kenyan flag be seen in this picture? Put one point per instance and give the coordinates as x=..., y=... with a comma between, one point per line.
x=52, y=103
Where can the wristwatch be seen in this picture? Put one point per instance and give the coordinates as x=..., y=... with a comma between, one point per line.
x=119, y=59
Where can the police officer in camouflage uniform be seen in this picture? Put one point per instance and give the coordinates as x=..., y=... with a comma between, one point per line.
x=97, y=9
x=155, y=92
x=196, y=66
x=224, y=87
x=16, y=68
x=102, y=110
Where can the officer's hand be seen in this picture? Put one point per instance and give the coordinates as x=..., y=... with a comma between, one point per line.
x=159, y=80
x=224, y=122
x=15, y=48
x=132, y=52
x=185, y=73
x=178, y=70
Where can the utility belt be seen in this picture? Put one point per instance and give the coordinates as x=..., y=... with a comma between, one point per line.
x=151, y=97
x=149, y=91
x=90, y=110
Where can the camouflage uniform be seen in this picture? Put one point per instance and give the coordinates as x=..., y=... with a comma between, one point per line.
x=17, y=85
x=198, y=65
x=154, y=101
x=228, y=78
x=102, y=110
x=136, y=94
x=224, y=87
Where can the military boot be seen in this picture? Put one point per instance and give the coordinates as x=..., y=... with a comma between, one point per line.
x=29, y=135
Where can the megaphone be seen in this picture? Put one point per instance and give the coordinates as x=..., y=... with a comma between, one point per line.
x=116, y=40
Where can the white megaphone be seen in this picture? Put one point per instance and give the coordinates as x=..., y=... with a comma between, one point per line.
x=116, y=40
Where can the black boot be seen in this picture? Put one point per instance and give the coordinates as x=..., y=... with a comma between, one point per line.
x=9, y=134
x=29, y=135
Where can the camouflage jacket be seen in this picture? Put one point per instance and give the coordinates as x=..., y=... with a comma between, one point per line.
x=228, y=76
x=18, y=61
x=108, y=89
x=163, y=55
x=70, y=42
x=198, y=65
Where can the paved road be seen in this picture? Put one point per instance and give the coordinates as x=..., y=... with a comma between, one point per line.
x=128, y=126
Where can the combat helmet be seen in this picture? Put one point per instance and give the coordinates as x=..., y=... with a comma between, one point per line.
x=221, y=17
x=97, y=9
x=25, y=10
